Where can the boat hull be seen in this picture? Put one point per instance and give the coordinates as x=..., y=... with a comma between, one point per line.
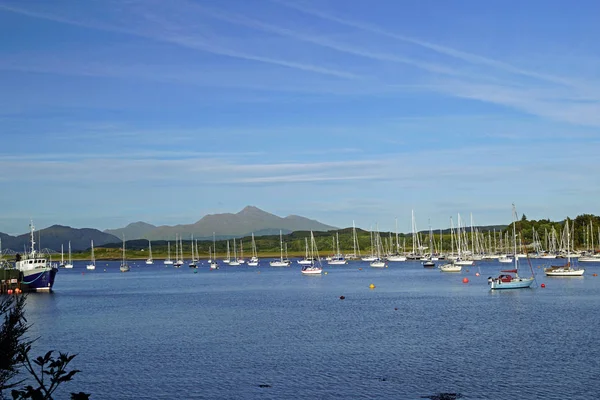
x=311, y=271
x=39, y=281
x=279, y=264
x=564, y=272
x=517, y=283
x=377, y=264
x=396, y=258
x=451, y=268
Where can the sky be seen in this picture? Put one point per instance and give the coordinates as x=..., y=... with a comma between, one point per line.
x=117, y=111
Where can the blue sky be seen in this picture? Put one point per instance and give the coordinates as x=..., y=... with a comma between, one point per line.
x=117, y=111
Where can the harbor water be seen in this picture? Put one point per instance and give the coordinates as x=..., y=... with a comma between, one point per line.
x=242, y=332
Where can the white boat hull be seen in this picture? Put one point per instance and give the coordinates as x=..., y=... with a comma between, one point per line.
x=68, y=266
x=253, y=263
x=312, y=271
x=450, y=268
x=396, y=258
x=279, y=264
x=337, y=262
x=563, y=272
x=90, y=267
x=377, y=264
x=463, y=262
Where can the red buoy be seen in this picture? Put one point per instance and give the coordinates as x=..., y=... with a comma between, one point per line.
x=465, y=280
x=543, y=285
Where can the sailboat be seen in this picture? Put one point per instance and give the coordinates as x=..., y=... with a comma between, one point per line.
x=338, y=257
x=150, y=260
x=124, y=266
x=281, y=262
x=235, y=261
x=213, y=262
x=460, y=260
x=315, y=268
x=307, y=260
x=178, y=252
x=92, y=264
x=193, y=261
x=227, y=260
x=565, y=270
x=396, y=257
x=241, y=259
x=427, y=261
x=372, y=256
x=254, y=259
x=377, y=262
x=69, y=263
x=168, y=260
x=507, y=281
x=62, y=257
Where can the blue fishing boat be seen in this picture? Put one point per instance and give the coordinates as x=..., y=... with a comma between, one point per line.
x=36, y=271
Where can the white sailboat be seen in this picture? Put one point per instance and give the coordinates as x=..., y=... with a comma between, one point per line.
x=235, y=261
x=178, y=252
x=213, y=263
x=567, y=269
x=307, y=260
x=397, y=256
x=168, y=260
x=124, y=266
x=69, y=263
x=241, y=259
x=377, y=262
x=92, y=264
x=254, y=259
x=62, y=257
x=338, y=258
x=193, y=261
x=227, y=260
x=150, y=260
x=315, y=268
x=372, y=256
x=281, y=262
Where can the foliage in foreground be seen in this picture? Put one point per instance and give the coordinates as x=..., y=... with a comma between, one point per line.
x=47, y=373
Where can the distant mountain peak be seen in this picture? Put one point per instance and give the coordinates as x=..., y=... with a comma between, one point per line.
x=252, y=210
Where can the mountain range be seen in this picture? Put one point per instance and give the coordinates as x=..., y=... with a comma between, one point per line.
x=55, y=236
x=249, y=220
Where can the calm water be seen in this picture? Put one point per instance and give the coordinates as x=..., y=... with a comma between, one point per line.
x=158, y=332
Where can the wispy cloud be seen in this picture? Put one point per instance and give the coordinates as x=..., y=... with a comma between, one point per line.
x=160, y=29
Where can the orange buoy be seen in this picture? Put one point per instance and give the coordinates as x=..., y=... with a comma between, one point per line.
x=465, y=280
x=594, y=274
x=543, y=285
x=17, y=291
x=360, y=269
